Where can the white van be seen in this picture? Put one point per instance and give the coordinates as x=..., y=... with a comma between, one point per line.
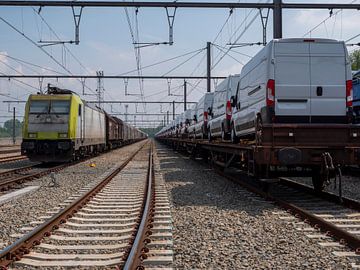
x=191, y=128
x=179, y=122
x=201, y=116
x=221, y=109
x=188, y=116
x=293, y=81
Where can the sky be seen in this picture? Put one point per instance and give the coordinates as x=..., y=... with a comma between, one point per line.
x=106, y=44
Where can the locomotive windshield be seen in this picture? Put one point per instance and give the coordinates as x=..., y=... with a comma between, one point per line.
x=39, y=106
x=49, y=107
x=60, y=106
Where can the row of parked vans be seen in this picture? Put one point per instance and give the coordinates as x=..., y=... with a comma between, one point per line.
x=303, y=81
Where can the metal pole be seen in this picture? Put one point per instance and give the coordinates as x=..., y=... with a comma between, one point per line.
x=13, y=131
x=184, y=95
x=277, y=19
x=174, y=110
x=167, y=117
x=208, y=73
x=126, y=112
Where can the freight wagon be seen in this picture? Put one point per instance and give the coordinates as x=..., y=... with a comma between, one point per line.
x=290, y=107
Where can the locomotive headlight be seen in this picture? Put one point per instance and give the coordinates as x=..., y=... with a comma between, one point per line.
x=32, y=135
x=63, y=135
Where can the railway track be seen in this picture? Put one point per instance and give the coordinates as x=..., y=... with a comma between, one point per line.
x=10, y=151
x=19, y=175
x=122, y=221
x=333, y=221
x=12, y=158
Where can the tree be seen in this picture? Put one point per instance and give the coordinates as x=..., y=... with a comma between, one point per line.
x=8, y=127
x=355, y=60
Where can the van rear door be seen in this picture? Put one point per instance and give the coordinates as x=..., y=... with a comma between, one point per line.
x=328, y=80
x=292, y=80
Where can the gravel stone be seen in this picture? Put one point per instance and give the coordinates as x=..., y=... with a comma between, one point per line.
x=219, y=225
x=20, y=212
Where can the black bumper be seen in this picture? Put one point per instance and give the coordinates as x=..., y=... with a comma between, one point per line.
x=48, y=150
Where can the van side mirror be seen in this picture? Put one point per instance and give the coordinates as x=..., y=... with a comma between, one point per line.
x=233, y=101
x=209, y=110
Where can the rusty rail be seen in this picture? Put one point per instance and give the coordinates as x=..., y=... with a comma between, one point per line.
x=10, y=151
x=332, y=230
x=23, y=245
x=6, y=184
x=138, y=250
x=12, y=158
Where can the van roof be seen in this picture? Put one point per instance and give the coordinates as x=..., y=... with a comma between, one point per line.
x=317, y=40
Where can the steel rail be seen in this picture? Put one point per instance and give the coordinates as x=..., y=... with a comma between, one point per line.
x=10, y=151
x=12, y=158
x=134, y=258
x=24, y=244
x=17, y=170
x=332, y=230
x=6, y=184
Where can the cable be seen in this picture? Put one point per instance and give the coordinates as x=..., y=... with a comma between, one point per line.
x=162, y=61
x=42, y=49
x=219, y=48
x=327, y=18
x=31, y=64
x=346, y=41
x=184, y=62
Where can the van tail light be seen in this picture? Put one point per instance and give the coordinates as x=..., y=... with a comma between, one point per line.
x=270, y=93
x=228, y=110
x=206, y=116
x=349, y=93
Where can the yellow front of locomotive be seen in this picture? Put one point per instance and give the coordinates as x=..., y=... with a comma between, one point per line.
x=49, y=127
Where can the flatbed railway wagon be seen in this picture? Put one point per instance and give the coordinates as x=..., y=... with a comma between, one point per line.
x=316, y=150
x=292, y=113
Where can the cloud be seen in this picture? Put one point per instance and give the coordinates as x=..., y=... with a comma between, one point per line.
x=3, y=57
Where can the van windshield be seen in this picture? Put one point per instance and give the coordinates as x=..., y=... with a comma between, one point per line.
x=49, y=107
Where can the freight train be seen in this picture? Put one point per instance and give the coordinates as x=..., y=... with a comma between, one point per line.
x=60, y=127
x=290, y=107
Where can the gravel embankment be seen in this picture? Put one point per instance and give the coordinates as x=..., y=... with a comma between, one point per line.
x=219, y=225
x=350, y=185
x=7, y=166
x=19, y=212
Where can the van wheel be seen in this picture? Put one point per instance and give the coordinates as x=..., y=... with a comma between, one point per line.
x=224, y=135
x=209, y=136
x=258, y=130
x=234, y=138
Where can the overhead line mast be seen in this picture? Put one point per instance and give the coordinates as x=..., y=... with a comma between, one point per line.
x=277, y=6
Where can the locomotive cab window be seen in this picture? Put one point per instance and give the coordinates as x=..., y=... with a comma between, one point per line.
x=39, y=107
x=79, y=109
x=60, y=106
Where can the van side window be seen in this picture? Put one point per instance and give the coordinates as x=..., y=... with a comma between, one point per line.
x=238, y=96
x=79, y=109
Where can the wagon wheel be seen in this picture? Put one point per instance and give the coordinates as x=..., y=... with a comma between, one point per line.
x=322, y=175
x=318, y=179
x=258, y=130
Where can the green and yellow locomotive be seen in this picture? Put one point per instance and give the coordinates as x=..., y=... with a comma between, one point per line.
x=60, y=127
